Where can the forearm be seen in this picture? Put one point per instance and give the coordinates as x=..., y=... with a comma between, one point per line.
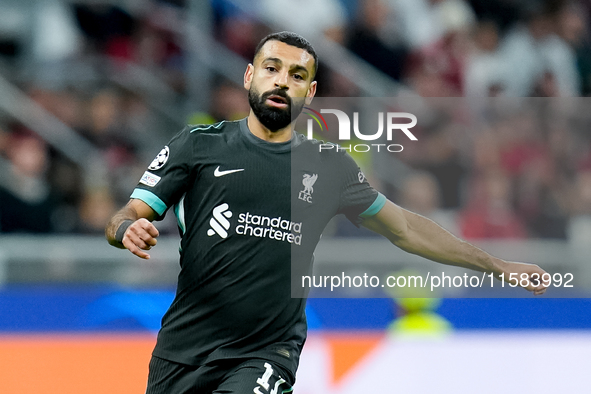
x=126, y=213
x=426, y=238
x=423, y=237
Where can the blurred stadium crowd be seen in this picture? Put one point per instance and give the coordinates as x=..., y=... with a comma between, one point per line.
x=116, y=73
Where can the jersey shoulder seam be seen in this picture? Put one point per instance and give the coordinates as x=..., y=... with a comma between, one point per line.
x=215, y=128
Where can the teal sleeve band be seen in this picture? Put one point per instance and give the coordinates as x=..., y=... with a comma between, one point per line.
x=151, y=199
x=374, y=208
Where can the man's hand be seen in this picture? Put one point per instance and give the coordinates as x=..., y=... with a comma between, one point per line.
x=140, y=235
x=528, y=276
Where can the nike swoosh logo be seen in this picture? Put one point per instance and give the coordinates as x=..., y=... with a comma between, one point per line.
x=217, y=173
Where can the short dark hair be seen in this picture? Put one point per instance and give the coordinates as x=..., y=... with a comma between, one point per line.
x=292, y=39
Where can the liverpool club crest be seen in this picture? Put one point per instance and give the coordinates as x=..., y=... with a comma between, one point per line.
x=308, y=182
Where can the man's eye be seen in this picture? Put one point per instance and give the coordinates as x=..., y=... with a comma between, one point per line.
x=270, y=68
x=298, y=77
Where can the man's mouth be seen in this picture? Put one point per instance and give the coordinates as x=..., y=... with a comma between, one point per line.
x=275, y=100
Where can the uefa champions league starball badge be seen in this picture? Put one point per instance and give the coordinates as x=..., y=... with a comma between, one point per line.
x=160, y=159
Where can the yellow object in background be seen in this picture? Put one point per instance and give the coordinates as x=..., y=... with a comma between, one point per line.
x=416, y=315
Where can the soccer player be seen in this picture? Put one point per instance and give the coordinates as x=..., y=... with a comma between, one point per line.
x=252, y=198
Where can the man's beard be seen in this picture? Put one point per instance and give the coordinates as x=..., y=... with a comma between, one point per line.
x=274, y=118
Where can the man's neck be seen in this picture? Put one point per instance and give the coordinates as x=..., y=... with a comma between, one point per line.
x=260, y=131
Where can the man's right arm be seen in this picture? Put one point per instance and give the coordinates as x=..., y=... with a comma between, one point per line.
x=131, y=228
x=416, y=234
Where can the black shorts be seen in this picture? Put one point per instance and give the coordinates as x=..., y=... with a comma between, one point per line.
x=220, y=377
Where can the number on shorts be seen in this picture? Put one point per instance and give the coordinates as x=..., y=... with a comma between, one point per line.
x=263, y=381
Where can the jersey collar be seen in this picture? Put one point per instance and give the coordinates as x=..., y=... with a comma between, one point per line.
x=272, y=146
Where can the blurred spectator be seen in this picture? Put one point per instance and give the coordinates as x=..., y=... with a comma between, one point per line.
x=321, y=19
x=443, y=160
x=540, y=200
x=335, y=84
x=13, y=30
x=580, y=222
x=546, y=86
x=485, y=67
x=446, y=57
x=26, y=203
x=535, y=55
x=239, y=30
x=559, y=53
x=67, y=182
x=427, y=82
x=229, y=102
x=489, y=213
x=502, y=13
x=573, y=28
x=65, y=104
x=364, y=40
x=107, y=130
x=420, y=193
x=520, y=51
x=104, y=119
x=424, y=22
x=105, y=25
x=157, y=43
x=521, y=142
x=151, y=39
x=582, y=195
x=241, y=34
x=96, y=208
x=55, y=35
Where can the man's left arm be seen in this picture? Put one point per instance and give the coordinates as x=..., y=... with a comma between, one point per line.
x=421, y=236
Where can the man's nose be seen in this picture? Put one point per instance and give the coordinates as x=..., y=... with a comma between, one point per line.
x=281, y=80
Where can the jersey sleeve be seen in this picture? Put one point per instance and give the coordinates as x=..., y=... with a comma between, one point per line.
x=358, y=199
x=168, y=176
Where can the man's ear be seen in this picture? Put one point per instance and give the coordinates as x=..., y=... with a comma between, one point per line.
x=248, y=76
x=311, y=92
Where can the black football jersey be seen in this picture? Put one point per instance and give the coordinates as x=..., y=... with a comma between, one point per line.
x=250, y=214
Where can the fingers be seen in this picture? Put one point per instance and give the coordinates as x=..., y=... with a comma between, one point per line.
x=141, y=235
x=135, y=249
x=528, y=276
x=536, y=285
x=540, y=291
